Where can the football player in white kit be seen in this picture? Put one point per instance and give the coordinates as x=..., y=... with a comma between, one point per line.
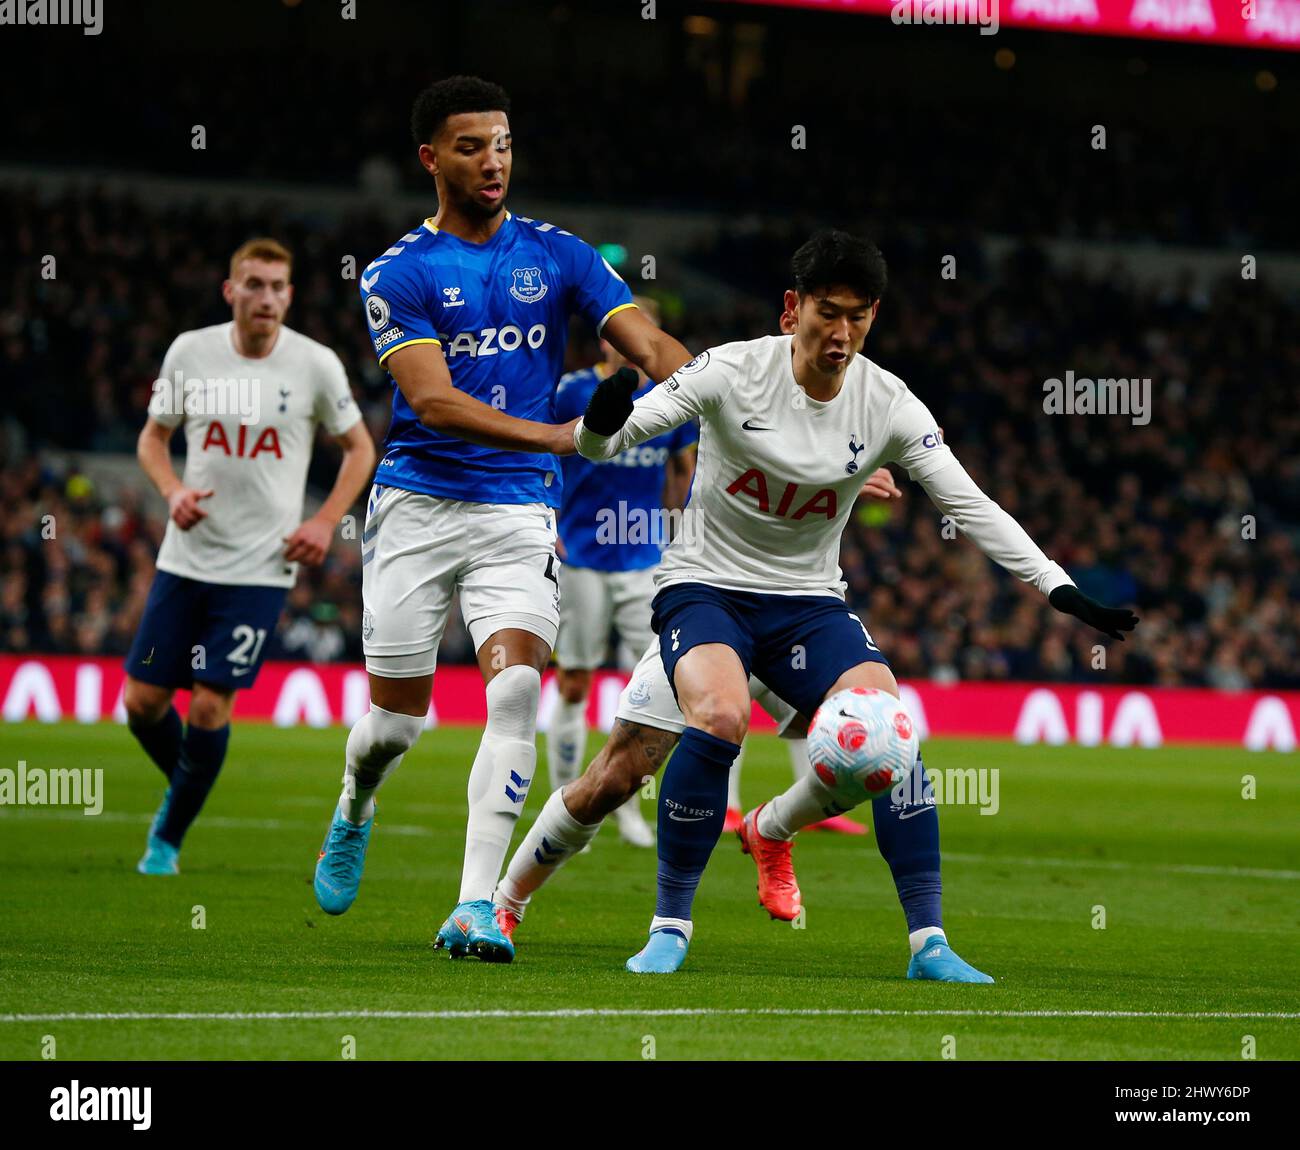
x=250, y=394
x=613, y=524
x=753, y=584
x=879, y=485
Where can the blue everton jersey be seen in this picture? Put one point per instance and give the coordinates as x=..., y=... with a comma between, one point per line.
x=618, y=498
x=500, y=312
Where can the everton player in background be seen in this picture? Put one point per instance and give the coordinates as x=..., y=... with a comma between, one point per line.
x=613, y=527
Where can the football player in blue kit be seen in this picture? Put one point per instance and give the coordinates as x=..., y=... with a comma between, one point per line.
x=468, y=312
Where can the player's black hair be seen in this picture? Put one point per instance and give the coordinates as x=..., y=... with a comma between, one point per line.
x=833, y=258
x=450, y=97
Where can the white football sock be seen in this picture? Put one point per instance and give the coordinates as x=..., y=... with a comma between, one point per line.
x=684, y=925
x=918, y=938
x=804, y=802
x=799, y=763
x=551, y=841
x=733, y=782
x=566, y=742
x=499, y=778
x=376, y=745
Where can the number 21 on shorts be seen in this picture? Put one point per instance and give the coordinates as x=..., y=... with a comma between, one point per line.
x=248, y=645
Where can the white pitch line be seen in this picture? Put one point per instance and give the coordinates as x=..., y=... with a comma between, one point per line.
x=219, y=822
x=1118, y=864
x=236, y=823
x=620, y=1012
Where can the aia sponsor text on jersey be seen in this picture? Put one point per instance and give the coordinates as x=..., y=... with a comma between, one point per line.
x=217, y=439
x=753, y=484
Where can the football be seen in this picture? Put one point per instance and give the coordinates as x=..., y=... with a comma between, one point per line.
x=862, y=743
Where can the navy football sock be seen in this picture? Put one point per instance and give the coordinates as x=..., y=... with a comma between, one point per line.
x=161, y=740
x=202, y=754
x=692, y=807
x=909, y=842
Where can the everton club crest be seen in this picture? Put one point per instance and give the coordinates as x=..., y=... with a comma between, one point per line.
x=527, y=285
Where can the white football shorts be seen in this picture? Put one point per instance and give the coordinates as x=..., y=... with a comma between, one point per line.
x=649, y=700
x=590, y=602
x=418, y=551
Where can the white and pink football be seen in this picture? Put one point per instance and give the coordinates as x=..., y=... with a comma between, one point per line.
x=862, y=743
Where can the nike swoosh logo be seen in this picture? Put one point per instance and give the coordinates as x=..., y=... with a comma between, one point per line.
x=236, y=672
x=683, y=819
x=749, y=426
x=913, y=813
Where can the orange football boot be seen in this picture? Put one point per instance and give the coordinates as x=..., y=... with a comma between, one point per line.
x=778, y=891
x=507, y=920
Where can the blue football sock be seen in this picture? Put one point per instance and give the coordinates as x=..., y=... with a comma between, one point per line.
x=161, y=740
x=909, y=842
x=692, y=808
x=202, y=754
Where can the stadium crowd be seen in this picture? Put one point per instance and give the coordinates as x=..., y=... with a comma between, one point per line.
x=1014, y=164
x=1193, y=516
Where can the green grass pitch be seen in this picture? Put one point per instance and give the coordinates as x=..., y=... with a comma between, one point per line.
x=1200, y=889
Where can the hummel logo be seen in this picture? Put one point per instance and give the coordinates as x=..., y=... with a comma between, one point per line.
x=517, y=796
x=453, y=297
x=749, y=425
x=552, y=855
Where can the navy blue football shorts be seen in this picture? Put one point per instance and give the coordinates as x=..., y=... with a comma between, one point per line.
x=212, y=633
x=799, y=645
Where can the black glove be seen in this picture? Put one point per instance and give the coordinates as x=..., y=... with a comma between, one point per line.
x=1069, y=600
x=611, y=402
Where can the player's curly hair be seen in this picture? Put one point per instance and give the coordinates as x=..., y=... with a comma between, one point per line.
x=450, y=97
x=833, y=258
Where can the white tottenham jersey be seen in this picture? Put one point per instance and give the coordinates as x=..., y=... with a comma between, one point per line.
x=779, y=472
x=249, y=429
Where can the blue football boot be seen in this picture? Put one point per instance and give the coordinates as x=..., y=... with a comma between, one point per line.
x=161, y=815
x=937, y=961
x=160, y=857
x=663, y=954
x=472, y=929
x=341, y=861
